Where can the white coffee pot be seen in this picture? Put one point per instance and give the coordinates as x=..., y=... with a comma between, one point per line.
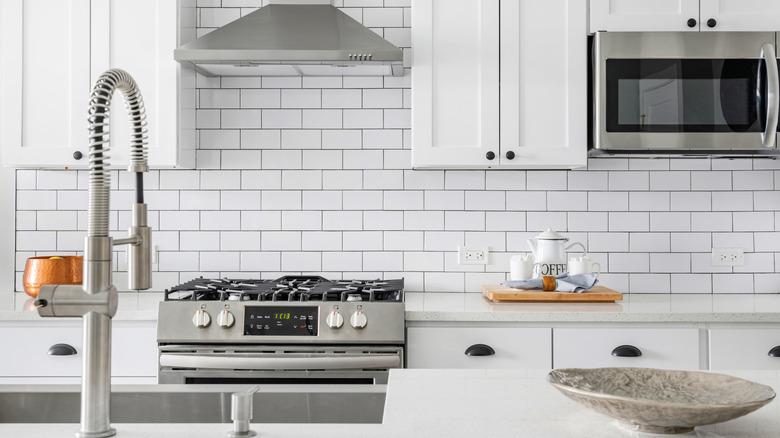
x=549, y=250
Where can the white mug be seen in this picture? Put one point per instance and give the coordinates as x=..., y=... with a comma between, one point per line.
x=584, y=265
x=522, y=267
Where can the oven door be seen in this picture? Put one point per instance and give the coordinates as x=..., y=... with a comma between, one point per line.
x=275, y=364
x=685, y=92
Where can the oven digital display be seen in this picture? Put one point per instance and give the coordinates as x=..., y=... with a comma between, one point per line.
x=280, y=321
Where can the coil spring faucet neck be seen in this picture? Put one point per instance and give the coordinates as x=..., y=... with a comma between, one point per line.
x=96, y=299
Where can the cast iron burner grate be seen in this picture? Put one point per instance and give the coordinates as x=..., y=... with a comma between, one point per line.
x=287, y=288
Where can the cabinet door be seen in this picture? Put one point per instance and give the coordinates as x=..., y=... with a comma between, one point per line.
x=543, y=86
x=740, y=15
x=744, y=349
x=44, y=81
x=139, y=37
x=660, y=348
x=133, y=351
x=445, y=347
x=644, y=15
x=455, y=83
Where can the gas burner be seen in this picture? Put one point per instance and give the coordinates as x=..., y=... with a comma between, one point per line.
x=288, y=288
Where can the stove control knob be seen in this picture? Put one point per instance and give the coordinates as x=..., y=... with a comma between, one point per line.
x=358, y=319
x=334, y=319
x=201, y=319
x=225, y=319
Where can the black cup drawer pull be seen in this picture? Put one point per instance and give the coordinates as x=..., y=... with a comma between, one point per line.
x=626, y=351
x=61, y=350
x=480, y=350
x=775, y=351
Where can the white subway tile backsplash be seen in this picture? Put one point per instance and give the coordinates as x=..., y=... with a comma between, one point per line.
x=608, y=242
x=341, y=139
x=667, y=262
x=321, y=240
x=754, y=221
x=313, y=174
x=672, y=180
x=464, y=220
x=567, y=201
x=464, y=180
x=546, y=180
x=753, y=180
x=715, y=221
x=691, y=283
x=691, y=201
x=505, y=180
x=629, y=262
x=711, y=180
x=629, y=181
x=732, y=201
x=633, y=221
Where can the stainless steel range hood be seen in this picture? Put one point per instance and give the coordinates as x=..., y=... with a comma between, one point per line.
x=293, y=39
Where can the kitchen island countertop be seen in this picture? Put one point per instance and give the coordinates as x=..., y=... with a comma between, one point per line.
x=647, y=308
x=453, y=404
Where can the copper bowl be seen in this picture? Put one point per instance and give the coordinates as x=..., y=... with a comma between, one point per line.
x=51, y=270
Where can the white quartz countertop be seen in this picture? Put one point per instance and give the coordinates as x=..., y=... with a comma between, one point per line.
x=133, y=306
x=473, y=307
x=683, y=308
x=455, y=404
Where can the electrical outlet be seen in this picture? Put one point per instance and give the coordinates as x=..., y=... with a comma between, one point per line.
x=472, y=256
x=728, y=257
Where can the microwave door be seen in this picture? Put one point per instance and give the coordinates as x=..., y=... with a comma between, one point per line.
x=677, y=94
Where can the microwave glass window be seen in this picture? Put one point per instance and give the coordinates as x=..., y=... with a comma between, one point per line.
x=685, y=95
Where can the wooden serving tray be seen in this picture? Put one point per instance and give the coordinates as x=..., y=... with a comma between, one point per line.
x=503, y=294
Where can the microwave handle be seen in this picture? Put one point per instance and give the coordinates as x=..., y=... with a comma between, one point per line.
x=769, y=136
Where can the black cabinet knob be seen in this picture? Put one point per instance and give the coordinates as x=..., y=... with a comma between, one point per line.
x=626, y=351
x=490, y=155
x=691, y=22
x=510, y=155
x=61, y=350
x=78, y=155
x=480, y=350
x=775, y=351
x=712, y=23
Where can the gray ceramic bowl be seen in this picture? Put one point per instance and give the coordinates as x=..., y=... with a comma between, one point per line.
x=661, y=401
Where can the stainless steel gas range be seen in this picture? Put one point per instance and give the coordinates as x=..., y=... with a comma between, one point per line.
x=295, y=329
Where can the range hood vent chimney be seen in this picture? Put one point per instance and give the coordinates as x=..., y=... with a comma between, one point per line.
x=291, y=40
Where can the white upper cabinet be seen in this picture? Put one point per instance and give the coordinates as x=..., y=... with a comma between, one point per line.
x=740, y=15
x=455, y=84
x=44, y=81
x=491, y=77
x=63, y=47
x=544, y=56
x=644, y=15
x=684, y=15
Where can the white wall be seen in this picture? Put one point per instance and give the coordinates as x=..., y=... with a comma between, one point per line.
x=313, y=175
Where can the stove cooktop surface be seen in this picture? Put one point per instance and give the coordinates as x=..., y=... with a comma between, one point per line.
x=287, y=288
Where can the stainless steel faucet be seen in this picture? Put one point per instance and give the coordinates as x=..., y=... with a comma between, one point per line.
x=96, y=300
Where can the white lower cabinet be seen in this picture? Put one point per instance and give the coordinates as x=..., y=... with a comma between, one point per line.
x=594, y=347
x=744, y=348
x=27, y=345
x=445, y=347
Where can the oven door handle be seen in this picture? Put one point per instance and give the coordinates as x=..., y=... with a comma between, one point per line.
x=769, y=136
x=279, y=363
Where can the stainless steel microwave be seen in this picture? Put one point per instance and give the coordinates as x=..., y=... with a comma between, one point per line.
x=685, y=93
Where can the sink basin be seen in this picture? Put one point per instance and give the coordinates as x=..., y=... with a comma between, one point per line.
x=197, y=404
